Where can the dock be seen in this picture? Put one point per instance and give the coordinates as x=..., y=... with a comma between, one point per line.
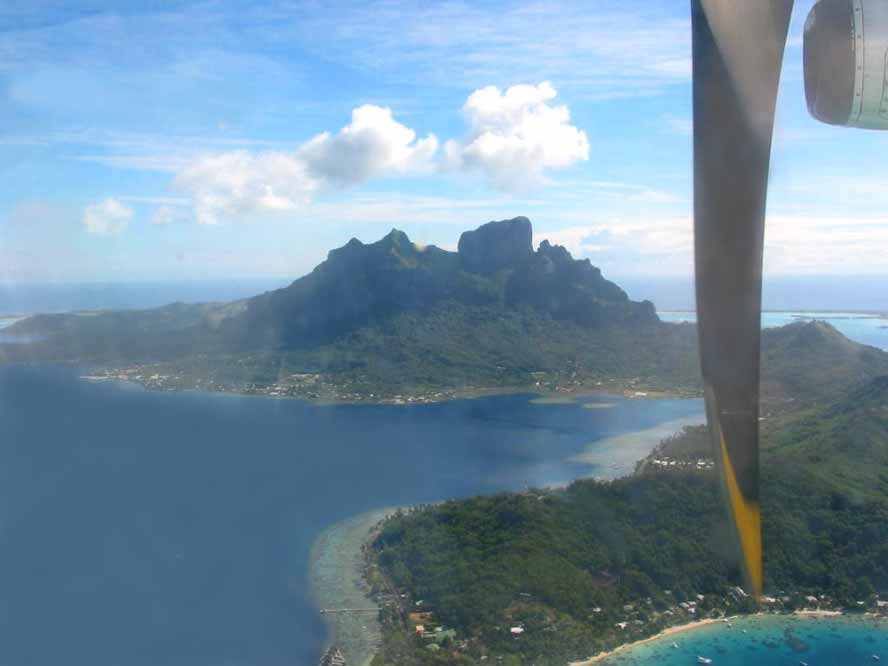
x=332, y=657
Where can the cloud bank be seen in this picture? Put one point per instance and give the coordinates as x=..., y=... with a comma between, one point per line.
x=513, y=137
x=232, y=185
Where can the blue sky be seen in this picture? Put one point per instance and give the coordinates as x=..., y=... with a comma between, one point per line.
x=182, y=140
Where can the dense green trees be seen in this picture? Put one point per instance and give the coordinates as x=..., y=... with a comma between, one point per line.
x=637, y=547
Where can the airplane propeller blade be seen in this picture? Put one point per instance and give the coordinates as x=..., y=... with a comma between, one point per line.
x=737, y=51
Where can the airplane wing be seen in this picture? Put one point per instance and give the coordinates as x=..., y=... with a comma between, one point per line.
x=737, y=51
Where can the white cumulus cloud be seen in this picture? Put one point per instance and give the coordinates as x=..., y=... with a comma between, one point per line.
x=107, y=217
x=515, y=135
x=373, y=144
x=241, y=183
x=238, y=183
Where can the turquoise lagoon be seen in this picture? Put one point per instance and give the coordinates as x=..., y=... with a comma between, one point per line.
x=768, y=640
x=866, y=328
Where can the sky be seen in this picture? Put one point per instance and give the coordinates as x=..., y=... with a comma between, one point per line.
x=222, y=140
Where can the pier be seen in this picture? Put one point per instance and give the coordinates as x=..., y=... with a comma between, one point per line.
x=332, y=657
x=324, y=611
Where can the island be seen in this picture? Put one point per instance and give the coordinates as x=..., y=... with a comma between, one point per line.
x=391, y=321
x=397, y=322
x=551, y=576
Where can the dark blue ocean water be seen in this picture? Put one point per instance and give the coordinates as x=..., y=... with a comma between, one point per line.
x=141, y=528
x=825, y=292
x=769, y=640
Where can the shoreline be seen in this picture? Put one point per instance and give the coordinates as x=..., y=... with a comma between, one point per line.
x=690, y=626
x=540, y=396
x=669, y=631
x=337, y=568
x=336, y=580
x=617, y=456
x=818, y=613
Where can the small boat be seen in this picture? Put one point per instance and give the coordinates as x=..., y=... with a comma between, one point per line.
x=876, y=657
x=675, y=645
x=803, y=663
x=704, y=660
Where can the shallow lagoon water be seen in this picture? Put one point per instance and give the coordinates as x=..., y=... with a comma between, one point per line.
x=140, y=528
x=868, y=329
x=770, y=640
x=336, y=581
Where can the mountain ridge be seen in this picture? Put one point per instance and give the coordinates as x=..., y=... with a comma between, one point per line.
x=392, y=318
x=495, y=266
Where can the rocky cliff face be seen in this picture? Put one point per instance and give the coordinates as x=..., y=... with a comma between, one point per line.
x=356, y=283
x=553, y=281
x=495, y=267
x=496, y=246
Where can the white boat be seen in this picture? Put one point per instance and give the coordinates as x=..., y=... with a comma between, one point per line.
x=675, y=645
x=704, y=660
x=876, y=657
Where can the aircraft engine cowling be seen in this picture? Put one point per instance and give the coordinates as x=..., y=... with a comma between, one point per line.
x=846, y=63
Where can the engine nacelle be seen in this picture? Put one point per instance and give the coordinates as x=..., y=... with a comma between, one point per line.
x=846, y=62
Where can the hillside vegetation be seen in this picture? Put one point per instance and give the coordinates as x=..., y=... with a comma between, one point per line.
x=496, y=269
x=567, y=566
x=392, y=318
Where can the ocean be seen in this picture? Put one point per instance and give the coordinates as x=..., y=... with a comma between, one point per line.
x=141, y=528
x=19, y=299
x=869, y=329
x=769, y=640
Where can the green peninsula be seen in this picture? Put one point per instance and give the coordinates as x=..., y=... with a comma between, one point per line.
x=552, y=576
